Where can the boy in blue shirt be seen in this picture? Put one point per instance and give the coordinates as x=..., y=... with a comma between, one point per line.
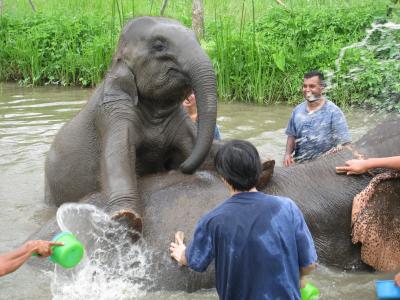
x=316, y=125
x=191, y=107
x=260, y=243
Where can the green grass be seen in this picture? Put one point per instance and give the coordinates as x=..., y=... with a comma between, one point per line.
x=260, y=49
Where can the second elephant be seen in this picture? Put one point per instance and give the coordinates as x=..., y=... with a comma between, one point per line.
x=175, y=201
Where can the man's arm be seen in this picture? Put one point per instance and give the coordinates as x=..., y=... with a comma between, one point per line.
x=360, y=166
x=290, y=144
x=11, y=261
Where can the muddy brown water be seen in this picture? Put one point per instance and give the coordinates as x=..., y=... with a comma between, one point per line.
x=29, y=119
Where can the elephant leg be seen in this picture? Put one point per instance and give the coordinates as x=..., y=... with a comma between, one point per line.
x=119, y=178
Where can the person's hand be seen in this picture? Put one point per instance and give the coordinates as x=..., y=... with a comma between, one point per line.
x=288, y=160
x=353, y=167
x=178, y=249
x=397, y=279
x=43, y=248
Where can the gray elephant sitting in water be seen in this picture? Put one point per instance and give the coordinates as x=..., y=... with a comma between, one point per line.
x=134, y=124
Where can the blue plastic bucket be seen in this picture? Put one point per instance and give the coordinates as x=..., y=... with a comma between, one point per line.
x=387, y=289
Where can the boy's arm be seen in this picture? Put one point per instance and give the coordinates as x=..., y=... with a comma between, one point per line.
x=199, y=253
x=305, y=244
x=304, y=271
x=178, y=249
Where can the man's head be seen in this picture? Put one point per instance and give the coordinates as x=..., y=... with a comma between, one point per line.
x=190, y=101
x=238, y=163
x=313, y=85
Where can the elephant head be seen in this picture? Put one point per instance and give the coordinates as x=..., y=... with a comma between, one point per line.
x=159, y=62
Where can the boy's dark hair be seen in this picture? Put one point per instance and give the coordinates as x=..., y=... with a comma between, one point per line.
x=239, y=164
x=314, y=73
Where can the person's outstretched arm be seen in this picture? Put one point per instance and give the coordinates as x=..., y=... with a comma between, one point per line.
x=360, y=166
x=11, y=261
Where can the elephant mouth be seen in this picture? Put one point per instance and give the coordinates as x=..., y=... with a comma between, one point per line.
x=176, y=73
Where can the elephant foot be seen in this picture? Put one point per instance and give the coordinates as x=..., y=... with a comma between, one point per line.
x=132, y=220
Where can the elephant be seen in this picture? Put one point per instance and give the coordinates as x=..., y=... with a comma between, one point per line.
x=134, y=124
x=176, y=201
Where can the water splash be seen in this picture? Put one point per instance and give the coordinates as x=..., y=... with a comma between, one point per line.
x=114, y=267
x=384, y=29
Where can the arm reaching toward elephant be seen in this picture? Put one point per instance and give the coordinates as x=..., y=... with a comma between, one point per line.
x=360, y=166
x=11, y=261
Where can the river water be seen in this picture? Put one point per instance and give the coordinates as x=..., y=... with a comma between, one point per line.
x=29, y=119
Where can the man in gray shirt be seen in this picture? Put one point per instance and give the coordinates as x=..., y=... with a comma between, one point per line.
x=316, y=125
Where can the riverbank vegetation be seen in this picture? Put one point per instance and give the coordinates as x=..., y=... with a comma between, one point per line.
x=260, y=48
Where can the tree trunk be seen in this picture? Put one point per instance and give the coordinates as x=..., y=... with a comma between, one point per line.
x=33, y=6
x=198, y=18
x=163, y=7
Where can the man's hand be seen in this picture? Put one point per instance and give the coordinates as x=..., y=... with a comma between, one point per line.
x=178, y=249
x=353, y=167
x=288, y=160
x=43, y=248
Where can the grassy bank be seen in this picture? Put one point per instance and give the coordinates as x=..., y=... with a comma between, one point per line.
x=260, y=49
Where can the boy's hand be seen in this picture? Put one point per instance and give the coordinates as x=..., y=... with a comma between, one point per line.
x=178, y=249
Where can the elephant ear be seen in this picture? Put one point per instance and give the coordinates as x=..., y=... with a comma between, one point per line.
x=266, y=173
x=376, y=222
x=120, y=84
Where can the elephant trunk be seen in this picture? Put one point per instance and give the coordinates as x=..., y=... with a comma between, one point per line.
x=204, y=85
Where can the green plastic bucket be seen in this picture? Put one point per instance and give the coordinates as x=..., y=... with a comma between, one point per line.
x=309, y=292
x=68, y=255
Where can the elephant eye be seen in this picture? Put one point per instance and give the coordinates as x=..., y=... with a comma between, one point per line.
x=159, y=46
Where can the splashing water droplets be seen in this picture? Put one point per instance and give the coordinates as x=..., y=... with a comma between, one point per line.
x=384, y=30
x=114, y=267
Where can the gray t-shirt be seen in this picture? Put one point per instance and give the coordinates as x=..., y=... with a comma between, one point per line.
x=317, y=132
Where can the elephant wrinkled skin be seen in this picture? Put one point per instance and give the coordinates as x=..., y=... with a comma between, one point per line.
x=134, y=123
